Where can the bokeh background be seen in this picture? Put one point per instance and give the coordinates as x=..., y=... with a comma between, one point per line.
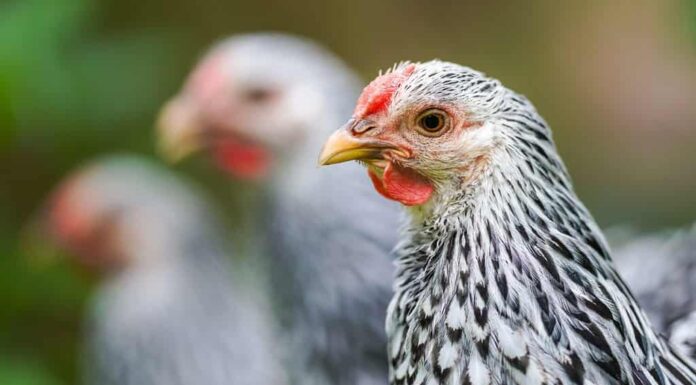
x=78, y=78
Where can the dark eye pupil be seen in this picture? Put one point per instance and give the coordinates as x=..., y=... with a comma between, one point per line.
x=431, y=122
x=258, y=95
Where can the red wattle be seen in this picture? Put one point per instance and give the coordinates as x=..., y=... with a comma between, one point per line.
x=242, y=159
x=402, y=185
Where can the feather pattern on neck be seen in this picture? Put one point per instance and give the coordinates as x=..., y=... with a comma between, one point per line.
x=506, y=279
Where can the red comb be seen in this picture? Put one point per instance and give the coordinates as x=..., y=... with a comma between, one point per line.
x=378, y=94
x=208, y=77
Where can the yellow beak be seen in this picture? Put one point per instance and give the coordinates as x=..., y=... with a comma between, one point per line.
x=178, y=130
x=342, y=147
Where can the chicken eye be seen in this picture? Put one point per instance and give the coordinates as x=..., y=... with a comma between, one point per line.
x=432, y=122
x=259, y=95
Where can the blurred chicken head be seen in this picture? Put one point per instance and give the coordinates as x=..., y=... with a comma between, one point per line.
x=250, y=102
x=115, y=213
x=85, y=226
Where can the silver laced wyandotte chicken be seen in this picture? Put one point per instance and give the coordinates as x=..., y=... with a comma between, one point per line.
x=262, y=104
x=169, y=310
x=503, y=276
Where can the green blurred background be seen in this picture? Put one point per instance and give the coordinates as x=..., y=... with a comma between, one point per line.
x=78, y=78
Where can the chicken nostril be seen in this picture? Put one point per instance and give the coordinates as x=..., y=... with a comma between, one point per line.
x=362, y=130
x=362, y=126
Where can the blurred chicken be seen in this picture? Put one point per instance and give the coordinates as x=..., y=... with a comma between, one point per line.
x=262, y=104
x=168, y=311
x=661, y=271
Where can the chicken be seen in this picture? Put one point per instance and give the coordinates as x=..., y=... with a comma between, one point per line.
x=503, y=276
x=168, y=310
x=262, y=104
x=661, y=271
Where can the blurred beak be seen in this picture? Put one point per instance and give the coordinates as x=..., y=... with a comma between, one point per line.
x=342, y=146
x=178, y=129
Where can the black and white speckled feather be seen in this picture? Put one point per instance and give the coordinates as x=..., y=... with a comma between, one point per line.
x=503, y=276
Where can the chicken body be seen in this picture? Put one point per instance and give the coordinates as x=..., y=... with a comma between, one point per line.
x=332, y=275
x=170, y=309
x=277, y=97
x=661, y=271
x=503, y=277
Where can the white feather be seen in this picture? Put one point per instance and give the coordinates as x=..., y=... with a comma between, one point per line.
x=478, y=372
x=448, y=355
x=456, y=316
